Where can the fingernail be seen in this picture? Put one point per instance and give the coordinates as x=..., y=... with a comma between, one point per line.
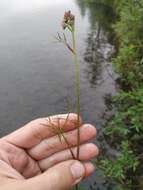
x=88, y=126
x=78, y=171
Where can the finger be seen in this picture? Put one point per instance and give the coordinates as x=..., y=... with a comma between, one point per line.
x=62, y=176
x=35, y=131
x=87, y=152
x=89, y=168
x=49, y=146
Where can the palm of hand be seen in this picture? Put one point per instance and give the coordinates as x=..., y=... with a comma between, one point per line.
x=16, y=162
x=33, y=149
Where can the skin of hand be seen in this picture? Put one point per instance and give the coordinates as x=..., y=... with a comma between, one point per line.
x=33, y=157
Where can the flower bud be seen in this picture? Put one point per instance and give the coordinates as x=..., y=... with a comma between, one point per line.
x=68, y=20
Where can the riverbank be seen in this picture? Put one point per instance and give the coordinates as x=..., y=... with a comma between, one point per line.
x=125, y=130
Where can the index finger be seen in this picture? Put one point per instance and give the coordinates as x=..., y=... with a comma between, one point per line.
x=34, y=132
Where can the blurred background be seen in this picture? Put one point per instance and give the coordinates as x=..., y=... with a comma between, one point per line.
x=37, y=77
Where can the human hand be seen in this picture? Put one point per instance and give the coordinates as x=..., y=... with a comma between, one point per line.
x=33, y=157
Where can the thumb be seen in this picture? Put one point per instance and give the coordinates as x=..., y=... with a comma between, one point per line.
x=60, y=177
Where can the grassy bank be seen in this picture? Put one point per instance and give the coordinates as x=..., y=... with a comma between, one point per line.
x=124, y=131
x=126, y=128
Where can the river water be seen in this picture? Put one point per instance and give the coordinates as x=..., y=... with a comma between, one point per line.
x=37, y=74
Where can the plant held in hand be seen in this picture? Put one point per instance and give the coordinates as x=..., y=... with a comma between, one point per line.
x=68, y=23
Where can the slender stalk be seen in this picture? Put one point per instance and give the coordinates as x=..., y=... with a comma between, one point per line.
x=68, y=144
x=69, y=23
x=77, y=85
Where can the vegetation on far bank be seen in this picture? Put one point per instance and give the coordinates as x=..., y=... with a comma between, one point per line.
x=126, y=128
x=124, y=131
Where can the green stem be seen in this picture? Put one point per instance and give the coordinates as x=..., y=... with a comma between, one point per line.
x=77, y=91
x=77, y=187
x=68, y=144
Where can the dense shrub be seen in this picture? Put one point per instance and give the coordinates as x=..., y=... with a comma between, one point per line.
x=124, y=131
x=129, y=30
x=126, y=128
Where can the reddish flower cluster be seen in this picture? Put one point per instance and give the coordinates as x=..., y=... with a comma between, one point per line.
x=68, y=20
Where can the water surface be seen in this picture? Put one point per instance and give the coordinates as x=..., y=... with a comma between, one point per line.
x=37, y=74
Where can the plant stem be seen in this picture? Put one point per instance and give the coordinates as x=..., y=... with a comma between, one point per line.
x=68, y=145
x=77, y=85
x=77, y=187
